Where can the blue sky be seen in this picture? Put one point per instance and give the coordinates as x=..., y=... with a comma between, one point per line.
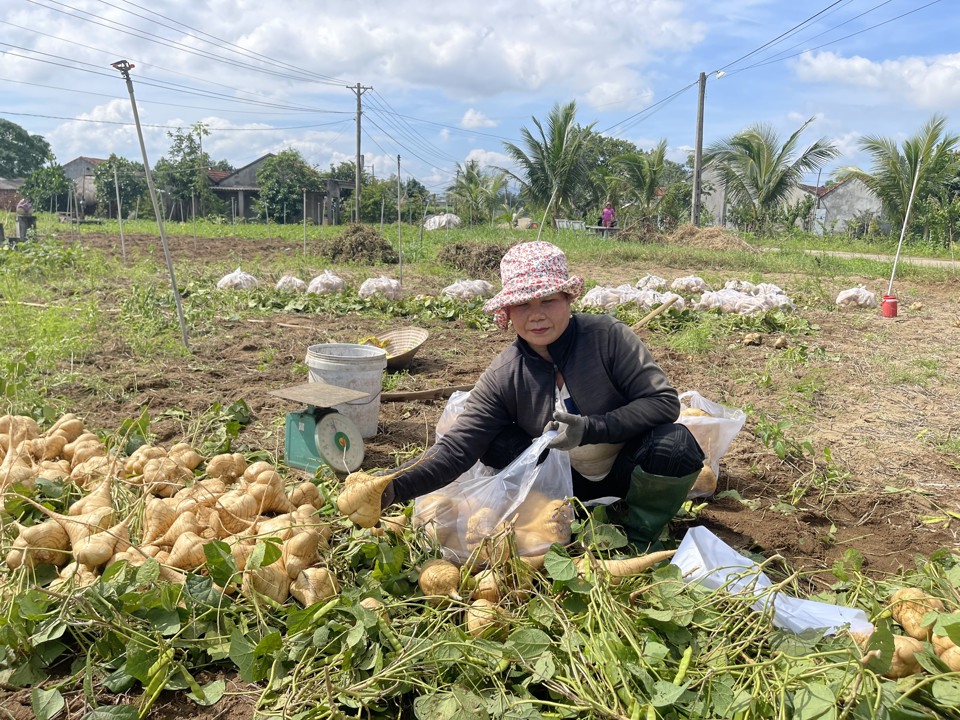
x=452, y=81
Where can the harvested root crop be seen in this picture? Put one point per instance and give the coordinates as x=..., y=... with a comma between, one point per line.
x=440, y=580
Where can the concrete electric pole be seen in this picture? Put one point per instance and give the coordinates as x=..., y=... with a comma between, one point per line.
x=359, y=90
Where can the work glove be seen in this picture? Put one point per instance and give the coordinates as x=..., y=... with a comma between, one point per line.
x=570, y=430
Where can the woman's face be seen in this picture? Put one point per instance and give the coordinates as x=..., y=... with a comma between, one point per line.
x=541, y=321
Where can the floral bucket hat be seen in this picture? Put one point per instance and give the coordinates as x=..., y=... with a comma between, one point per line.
x=529, y=271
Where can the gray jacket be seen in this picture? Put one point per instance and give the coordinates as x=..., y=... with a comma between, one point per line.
x=608, y=371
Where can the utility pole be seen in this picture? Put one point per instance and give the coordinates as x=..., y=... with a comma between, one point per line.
x=698, y=154
x=359, y=90
x=124, y=68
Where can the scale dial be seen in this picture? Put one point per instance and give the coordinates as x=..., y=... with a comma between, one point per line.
x=339, y=443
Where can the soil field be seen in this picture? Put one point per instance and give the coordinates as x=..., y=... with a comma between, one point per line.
x=876, y=397
x=879, y=394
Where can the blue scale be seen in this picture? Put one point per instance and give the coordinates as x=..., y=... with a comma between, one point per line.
x=318, y=434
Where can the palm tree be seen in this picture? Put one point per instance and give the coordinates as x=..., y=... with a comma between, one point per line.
x=931, y=150
x=643, y=173
x=477, y=194
x=759, y=172
x=551, y=163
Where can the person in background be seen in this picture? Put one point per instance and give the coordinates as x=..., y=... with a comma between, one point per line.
x=608, y=218
x=587, y=376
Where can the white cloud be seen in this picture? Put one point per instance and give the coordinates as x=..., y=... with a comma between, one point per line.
x=473, y=119
x=924, y=82
x=489, y=159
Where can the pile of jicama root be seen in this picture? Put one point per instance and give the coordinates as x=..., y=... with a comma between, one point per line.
x=175, y=502
x=182, y=502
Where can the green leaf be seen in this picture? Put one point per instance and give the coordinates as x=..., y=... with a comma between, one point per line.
x=220, y=562
x=529, y=644
x=814, y=701
x=139, y=661
x=544, y=669
x=559, y=566
x=455, y=705
x=50, y=631
x=166, y=622
x=113, y=712
x=947, y=692
x=46, y=703
x=666, y=693
x=210, y=693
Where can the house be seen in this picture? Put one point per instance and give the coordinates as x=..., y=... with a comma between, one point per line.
x=240, y=191
x=839, y=205
x=80, y=172
x=10, y=194
x=834, y=207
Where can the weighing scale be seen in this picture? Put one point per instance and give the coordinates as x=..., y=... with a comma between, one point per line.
x=318, y=434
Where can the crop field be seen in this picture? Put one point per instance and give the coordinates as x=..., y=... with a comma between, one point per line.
x=844, y=483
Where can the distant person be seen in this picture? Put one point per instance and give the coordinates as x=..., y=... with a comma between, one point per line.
x=608, y=218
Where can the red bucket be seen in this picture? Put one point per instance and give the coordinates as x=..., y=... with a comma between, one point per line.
x=889, y=306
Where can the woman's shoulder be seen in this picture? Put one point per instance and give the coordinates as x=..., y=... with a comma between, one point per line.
x=590, y=322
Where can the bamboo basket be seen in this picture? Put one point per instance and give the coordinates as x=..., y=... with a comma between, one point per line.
x=401, y=345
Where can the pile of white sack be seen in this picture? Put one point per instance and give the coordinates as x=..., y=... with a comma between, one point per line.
x=384, y=286
x=237, y=280
x=468, y=289
x=857, y=297
x=737, y=296
x=291, y=283
x=326, y=283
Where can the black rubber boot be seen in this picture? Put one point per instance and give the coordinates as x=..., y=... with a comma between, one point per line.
x=650, y=503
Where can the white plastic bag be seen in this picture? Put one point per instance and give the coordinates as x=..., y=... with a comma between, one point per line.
x=326, y=283
x=705, y=559
x=713, y=431
x=857, y=297
x=291, y=283
x=237, y=280
x=384, y=286
x=517, y=494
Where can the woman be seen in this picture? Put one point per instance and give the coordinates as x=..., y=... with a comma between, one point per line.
x=589, y=377
x=608, y=218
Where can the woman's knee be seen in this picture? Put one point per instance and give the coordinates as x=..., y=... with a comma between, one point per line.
x=670, y=450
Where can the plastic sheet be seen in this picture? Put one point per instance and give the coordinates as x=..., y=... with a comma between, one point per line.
x=705, y=559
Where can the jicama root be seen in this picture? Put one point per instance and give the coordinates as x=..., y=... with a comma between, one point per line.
x=313, y=585
x=300, y=552
x=392, y=523
x=621, y=568
x=908, y=606
x=45, y=542
x=440, y=580
x=187, y=552
x=229, y=467
x=99, y=497
x=361, y=497
x=271, y=581
x=96, y=550
x=484, y=617
x=267, y=487
x=306, y=493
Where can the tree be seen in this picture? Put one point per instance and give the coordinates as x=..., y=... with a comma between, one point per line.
x=130, y=179
x=643, y=173
x=760, y=173
x=477, y=194
x=20, y=152
x=282, y=180
x=182, y=172
x=552, y=163
x=931, y=150
x=46, y=186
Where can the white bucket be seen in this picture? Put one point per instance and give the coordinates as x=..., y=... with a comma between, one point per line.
x=357, y=367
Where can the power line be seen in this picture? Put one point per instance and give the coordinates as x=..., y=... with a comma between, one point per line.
x=170, y=127
x=781, y=35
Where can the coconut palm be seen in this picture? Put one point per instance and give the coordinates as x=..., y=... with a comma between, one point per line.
x=760, y=173
x=477, y=194
x=643, y=173
x=551, y=163
x=931, y=150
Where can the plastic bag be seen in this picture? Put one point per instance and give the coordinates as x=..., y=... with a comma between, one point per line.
x=705, y=559
x=326, y=283
x=387, y=287
x=713, y=431
x=518, y=494
x=857, y=297
x=291, y=283
x=237, y=280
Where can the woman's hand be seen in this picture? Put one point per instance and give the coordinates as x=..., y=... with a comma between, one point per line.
x=571, y=429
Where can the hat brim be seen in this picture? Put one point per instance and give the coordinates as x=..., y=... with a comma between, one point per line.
x=524, y=291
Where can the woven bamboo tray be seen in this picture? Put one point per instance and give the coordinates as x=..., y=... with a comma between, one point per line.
x=401, y=345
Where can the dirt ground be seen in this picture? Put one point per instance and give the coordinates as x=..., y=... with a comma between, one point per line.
x=878, y=394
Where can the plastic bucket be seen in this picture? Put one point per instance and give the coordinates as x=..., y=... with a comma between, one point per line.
x=888, y=306
x=357, y=367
